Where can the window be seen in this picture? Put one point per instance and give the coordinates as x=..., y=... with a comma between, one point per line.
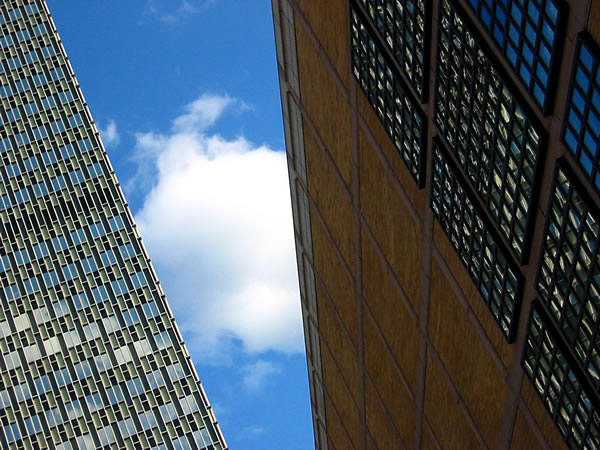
x=94, y=402
x=134, y=386
x=486, y=262
x=89, y=265
x=100, y=294
x=486, y=128
x=82, y=370
x=108, y=258
x=526, y=32
x=91, y=331
x=59, y=243
x=21, y=196
x=33, y=425
x=30, y=164
x=138, y=280
x=401, y=26
x=581, y=132
x=96, y=229
x=127, y=427
x=74, y=410
x=40, y=189
x=569, y=272
x=40, y=250
x=401, y=119
x=67, y=151
x=12, y=433
x=49, y=157
x=147, y=420
x=12, y=170
x=115, y=223
x=559, y=384
x=150, y=309
x=114, y=394
x=106, y=435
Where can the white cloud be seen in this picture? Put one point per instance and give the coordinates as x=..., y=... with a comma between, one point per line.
x=217, y=223
x=109, y=134
x=201, y=113
x=164, y=10
x=250, y=432
x=256, y=373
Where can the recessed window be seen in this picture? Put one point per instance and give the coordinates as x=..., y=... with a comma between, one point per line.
x=486, y=262
x=526, y=32
x=569, y=273
x=486, y=128
x=559, y=384
x=401, y=26
x=402, y=120
x=582, y=115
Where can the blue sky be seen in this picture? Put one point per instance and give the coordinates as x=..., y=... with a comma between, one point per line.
x=186, y=96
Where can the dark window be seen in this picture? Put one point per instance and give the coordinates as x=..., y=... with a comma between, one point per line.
x=569, y=273
x=559, y=385
x=487, y=263
x=487, y=129
x=402, y=27
x=582, y=115
x=403, y=121
x=526, y=32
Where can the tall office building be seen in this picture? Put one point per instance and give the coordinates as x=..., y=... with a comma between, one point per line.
x=91, y=355
x=444, y=164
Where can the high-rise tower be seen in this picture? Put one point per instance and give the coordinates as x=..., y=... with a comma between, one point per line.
x=444, y=165
x=91, y=355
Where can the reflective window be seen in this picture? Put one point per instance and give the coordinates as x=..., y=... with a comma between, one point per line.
x=494, y=141
x=402, y=28
x=478, y=249
x=581, y=132
x=569, y=274
x=525, y=31
x=559, y=385
x=402, y=120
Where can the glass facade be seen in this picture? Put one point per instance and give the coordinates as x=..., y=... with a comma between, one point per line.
x=91, y=356
x=560, y=385
x=569, y=274
x=526, y=32
x=486, y=128
x=402, y=27
x=582, y=115
x=402, y=119
x=473, y=240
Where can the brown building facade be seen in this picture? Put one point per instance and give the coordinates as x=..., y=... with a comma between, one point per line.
x=444, y=165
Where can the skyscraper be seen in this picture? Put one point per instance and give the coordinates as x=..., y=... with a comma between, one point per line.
x=445, y=177
x=91, y=355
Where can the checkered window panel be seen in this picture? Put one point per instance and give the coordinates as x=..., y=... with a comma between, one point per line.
x=525, y=31
x=559, y=385
x=476, y=246
x=402, y=26
x=569, y=273
x=582, y=120
x=402, y=120
x=486, y=128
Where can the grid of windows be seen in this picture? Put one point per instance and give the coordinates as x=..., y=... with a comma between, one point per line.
x=402, y=27
x=559, y=385
x=569, y=273
x=496, y=144
x=402, y=120
x=526, y=32
x=486, y=263
x=582, y=115
x=81, y=312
